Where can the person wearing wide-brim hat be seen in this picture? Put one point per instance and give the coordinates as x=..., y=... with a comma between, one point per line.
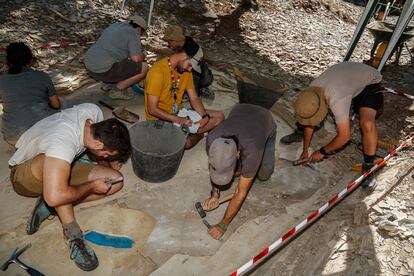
x=117, y=58
x=336, y=89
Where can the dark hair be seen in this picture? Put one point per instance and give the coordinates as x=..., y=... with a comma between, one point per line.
x=133, y=24
x=18, y=55
x=190, y=47
x=115, y=137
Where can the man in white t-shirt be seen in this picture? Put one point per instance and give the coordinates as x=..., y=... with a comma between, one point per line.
x=337, y=88
x=43, y=167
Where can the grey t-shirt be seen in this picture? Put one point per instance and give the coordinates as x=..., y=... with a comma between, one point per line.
x=25, y=101
x=117, y=42
x=344, y=81
x=251, y=126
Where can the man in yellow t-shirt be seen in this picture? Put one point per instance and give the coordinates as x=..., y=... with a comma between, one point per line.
x=166, y=83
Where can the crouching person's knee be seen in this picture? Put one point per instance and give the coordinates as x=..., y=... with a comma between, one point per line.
x=367, y=126
x=220, y=117
x=51, y=199
x=263, y=177
x=265, y=173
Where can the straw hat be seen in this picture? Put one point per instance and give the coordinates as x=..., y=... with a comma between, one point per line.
x=311, y=107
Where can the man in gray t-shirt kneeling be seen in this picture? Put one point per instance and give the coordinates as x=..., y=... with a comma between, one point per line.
x=244, y=144
x=117, y=57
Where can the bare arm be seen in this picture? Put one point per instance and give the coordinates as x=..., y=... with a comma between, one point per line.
x=155, y=111
x=198, y=106
x=343, y=136
x=237, y=200
x=56, y=189
x=114, y=164
x=233, y=208
x=307, y=138
x=196, y=102
x=137, y=58
x=54, y=102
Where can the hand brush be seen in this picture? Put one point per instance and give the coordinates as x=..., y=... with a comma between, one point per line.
x=105, y=239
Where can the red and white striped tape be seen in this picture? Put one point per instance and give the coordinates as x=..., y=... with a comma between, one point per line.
x=61, y=44
x=302, y=225
x=399, y=93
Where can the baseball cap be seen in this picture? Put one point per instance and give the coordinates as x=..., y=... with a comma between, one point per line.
x=311, y=107
x=136, y=19
x=222, y=159
x=174, y=32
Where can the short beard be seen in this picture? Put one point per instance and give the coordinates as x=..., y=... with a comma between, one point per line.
x=181, y=70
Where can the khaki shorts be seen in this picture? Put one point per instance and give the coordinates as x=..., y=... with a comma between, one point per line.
x=11, y=142
x=26, y=184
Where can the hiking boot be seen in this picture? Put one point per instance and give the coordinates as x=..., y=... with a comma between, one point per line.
x=40, y=212
x=81, y=253
x=296, y=136
x=118, y=94
x=369, y=183
x=107, y=87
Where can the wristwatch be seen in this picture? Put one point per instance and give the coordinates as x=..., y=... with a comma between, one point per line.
x=205, y=115
x=323, y=151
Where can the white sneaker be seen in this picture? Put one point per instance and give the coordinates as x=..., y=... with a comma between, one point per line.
x=118, y=94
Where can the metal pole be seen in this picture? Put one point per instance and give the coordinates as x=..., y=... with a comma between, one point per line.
x=150, y=12
x=402, y=22
x=369, y=9
x=123, y=5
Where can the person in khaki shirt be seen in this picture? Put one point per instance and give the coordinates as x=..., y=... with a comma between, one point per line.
x=337, y=88
x=166, y=83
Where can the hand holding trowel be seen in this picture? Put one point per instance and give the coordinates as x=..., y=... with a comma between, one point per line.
x=304, y=162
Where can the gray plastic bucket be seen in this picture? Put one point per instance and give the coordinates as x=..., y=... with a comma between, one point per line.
x=157, y=149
